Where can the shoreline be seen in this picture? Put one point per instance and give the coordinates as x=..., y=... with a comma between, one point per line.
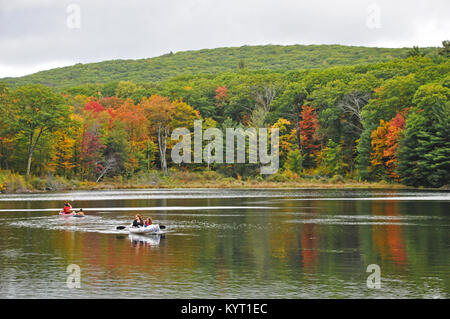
x=12, y=183
x=227, y=185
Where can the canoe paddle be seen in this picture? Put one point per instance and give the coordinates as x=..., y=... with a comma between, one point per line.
x=123, y=227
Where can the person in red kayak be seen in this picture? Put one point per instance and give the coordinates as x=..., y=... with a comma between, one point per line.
x=67, y=209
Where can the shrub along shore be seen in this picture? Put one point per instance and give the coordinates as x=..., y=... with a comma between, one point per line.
x=16, y=183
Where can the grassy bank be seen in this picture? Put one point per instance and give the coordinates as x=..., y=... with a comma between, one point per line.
x=16, y=183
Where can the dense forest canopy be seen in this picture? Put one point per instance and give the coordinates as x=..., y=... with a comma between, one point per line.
x=387, y=120
x=213, y=61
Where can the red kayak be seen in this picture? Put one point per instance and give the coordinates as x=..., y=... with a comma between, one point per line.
x=70, y=215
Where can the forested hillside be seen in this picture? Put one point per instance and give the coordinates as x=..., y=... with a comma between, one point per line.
x=387, y=121
x=213, y=61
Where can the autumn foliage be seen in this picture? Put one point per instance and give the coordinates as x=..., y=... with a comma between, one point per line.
x=385, y=140
x=308, y=127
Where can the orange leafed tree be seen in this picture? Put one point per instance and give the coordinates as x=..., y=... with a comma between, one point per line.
x=132, y=119
x=385, y=143
x=395, y=128
x=221, y=94
x=112, y=102
x=308, y=127
x=135, y=122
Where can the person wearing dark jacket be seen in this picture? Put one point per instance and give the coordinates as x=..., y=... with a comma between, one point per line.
x=138, y=222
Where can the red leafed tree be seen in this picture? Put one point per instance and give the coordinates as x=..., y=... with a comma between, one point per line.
x=91, y=148
x=308, y=127
x=96, y=114
x=395, y=127
x=221, y=94
x=94, y=106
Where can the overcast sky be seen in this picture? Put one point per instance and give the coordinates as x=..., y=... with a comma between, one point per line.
x=42, y=34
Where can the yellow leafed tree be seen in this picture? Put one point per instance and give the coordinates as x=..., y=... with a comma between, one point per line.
x=61, y=161
x=378, y=137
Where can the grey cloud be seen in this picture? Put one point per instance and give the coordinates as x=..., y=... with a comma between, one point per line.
x=35, y=32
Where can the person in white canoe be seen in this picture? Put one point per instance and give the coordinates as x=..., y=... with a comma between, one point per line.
x=139, y=222
x=139, y=225
x=148, y=222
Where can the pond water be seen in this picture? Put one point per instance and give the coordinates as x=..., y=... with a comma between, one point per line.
x=228, y=243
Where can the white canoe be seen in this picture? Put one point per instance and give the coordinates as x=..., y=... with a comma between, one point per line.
x=152, y=229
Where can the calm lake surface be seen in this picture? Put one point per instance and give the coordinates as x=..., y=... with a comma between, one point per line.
x=221, y=243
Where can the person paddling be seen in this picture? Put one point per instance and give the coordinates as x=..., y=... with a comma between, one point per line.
x=67, y=209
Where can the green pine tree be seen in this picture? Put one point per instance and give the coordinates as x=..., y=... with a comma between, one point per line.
x=424, y=150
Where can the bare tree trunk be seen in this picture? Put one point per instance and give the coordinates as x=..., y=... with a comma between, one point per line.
x=263, y=101
x=353, y=104
x=31, y=149
x=30, y=154
x=166, y=134
x=109, y=164
x=148, y=154
x=162, y=144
